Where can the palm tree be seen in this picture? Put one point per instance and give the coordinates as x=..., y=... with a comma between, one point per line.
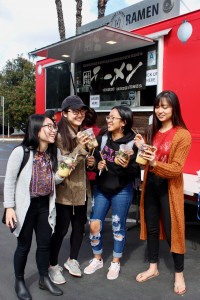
x=101, y=8
x=61, y=24
x=78, y=14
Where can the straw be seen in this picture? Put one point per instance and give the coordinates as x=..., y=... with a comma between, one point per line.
x=135, y=131
x=75, y=157
x=92, y=151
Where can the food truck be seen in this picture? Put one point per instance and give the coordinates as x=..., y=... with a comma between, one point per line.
x=127, y=58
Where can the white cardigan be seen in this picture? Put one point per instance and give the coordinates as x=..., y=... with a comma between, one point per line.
x=17, y=189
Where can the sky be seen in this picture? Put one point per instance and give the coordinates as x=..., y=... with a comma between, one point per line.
x=26, y=25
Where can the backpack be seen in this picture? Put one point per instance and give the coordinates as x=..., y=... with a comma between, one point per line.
x=24, y=161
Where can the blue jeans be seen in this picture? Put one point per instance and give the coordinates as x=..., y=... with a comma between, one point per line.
x=120, y=204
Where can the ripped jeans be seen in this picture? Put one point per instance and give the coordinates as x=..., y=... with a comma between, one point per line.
x=120, y=204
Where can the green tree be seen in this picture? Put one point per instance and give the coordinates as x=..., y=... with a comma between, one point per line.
x=17, y=85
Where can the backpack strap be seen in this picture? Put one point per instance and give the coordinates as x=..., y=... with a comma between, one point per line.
x=103, y=141
x=25, y=159
x=105, y=138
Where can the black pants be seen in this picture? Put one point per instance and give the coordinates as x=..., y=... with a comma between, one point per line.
x=65, y=215
x=156, y=202
x=36, y=219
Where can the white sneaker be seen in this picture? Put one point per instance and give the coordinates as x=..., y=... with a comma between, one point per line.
x=114, y=270
x=55, y=274
x=73, y=267
x=94, y=265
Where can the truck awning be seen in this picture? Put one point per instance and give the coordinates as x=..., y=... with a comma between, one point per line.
x=99, y=42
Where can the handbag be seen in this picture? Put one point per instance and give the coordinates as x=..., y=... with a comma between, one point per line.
x=4, y=216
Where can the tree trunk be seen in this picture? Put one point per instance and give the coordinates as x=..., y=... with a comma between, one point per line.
x=101, y=8
x=61, y=24
x=78, y=14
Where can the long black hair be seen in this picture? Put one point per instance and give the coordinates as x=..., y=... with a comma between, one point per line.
x=63, y=129
x=90, y=117
x=31, y=140
x=177, y=119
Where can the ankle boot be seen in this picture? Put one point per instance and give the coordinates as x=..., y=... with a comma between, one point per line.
x=46, y=284
x=21, y=289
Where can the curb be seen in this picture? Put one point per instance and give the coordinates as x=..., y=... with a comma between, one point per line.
x=11, y=139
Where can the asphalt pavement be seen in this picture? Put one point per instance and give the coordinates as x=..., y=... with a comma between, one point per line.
x=96, y=286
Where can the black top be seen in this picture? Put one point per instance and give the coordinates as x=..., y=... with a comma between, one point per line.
x=117, y=177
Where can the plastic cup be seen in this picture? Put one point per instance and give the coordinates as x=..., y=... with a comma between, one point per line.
x=139, y=159
x=92, y=143
x=144, y=147
x=65, y=165
x=122, y=153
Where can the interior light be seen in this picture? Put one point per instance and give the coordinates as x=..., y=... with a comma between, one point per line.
x=111, y=42
x=65, y=55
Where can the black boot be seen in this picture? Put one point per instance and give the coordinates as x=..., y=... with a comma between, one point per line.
x=45, y=283
x=21, y=289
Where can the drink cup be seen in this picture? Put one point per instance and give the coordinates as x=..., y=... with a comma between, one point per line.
x=65, y=165
x=123, y=149
x=92, y=143
x=143, y=148
x=139, y=159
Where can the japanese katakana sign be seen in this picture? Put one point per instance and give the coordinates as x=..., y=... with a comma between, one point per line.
x=116, y=73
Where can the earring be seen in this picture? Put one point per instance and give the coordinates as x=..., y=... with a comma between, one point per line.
x=122, y=128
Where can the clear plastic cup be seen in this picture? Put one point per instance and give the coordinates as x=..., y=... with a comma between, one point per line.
x=92, y=139
x=123, y=152
x=144, y=147
x=139, y=159
x=65, y=164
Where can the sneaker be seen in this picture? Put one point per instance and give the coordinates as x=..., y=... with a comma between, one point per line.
x=55, y=274
x=94, y=265
x=73, y=267
x=114, y=270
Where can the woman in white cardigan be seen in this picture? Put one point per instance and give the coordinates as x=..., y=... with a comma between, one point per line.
x=29, y=199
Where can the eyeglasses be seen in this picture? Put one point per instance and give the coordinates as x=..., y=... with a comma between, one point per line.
x=77, y=111
x=110, y=118
x=51, y=127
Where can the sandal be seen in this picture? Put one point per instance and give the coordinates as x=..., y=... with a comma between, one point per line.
x=179, y=287
x=142, y=277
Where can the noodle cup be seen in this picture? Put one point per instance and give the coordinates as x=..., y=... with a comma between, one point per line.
x=65, y=165
x=144, y=147
x=92, y=143
x=123, y=149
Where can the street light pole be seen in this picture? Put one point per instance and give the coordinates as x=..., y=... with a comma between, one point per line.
x=2, y=104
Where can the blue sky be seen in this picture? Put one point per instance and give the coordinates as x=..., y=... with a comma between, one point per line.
x=26, y=25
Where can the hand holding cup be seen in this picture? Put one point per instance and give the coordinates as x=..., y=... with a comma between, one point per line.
x=66, y=165
x=146, y=153
x=123, y=156
x=91, y=141
x=82, y=139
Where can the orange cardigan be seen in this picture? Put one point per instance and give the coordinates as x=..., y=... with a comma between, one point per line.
x=173, y=171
